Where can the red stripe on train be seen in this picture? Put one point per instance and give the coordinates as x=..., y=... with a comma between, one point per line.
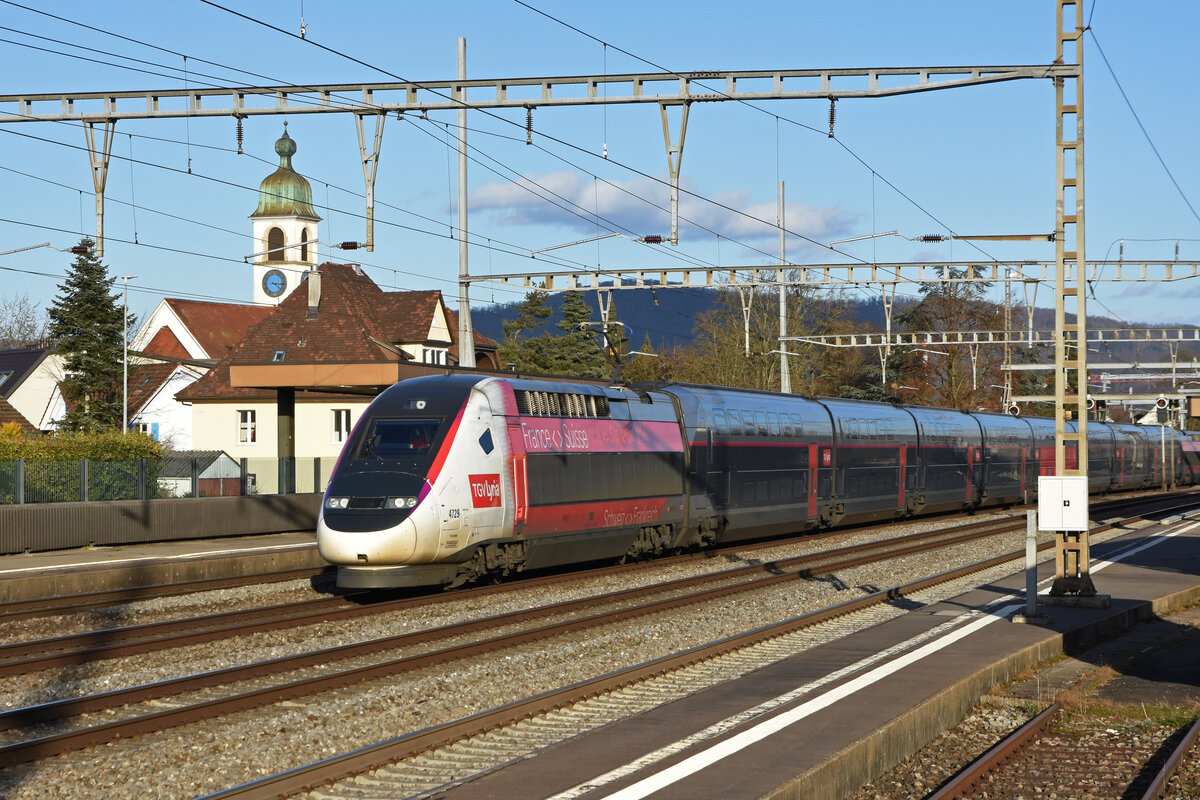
x=600, y=515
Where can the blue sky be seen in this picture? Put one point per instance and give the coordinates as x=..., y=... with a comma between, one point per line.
x=972, y=161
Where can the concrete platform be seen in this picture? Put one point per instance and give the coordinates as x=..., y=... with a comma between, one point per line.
x=788, y=731
x=92, y=569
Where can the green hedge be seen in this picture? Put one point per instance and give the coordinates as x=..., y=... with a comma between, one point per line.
x=52, y=465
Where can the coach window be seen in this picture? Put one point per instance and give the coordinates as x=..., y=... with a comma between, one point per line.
x=733, y=422
x=773, y=422
x=761, y=418
x=341, y=425
x=786, y=423
x=719, y=421
x=247, y=427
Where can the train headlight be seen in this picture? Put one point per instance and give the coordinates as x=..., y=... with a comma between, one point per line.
x=337, y=502
x=401, y=502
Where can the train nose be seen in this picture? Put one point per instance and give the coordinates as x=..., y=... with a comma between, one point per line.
x=392, y=546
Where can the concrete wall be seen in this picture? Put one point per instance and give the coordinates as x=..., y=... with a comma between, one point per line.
x=61, y=526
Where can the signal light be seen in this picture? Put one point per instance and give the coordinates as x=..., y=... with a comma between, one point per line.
x=1014, y=410
x=1091, y=403
x=1161, y=403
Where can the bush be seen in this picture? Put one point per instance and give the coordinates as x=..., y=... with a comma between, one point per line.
x=52, y=465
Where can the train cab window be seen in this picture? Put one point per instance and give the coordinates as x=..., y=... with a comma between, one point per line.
x=397, y=438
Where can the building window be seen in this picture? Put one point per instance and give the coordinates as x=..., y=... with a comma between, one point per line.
x=341, y=425
x=148, y=428
x=247, y=427
x=431, y=355
x=304, y=245
x=278, y=356
x=275, y=243
x=5, y=375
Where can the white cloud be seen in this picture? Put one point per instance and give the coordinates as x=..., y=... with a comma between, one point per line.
x=642, y=205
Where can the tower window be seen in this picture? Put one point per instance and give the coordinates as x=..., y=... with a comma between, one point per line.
x=275, y=242
x=304, y=245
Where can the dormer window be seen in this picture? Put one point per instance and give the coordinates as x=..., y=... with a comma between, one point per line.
x=278, y=356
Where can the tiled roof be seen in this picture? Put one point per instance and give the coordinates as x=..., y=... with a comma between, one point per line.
x=356, y=323
x=408, y=315
x=166, y=343
x=10, y=414
x=20, y=362
x=217, y=326
x=144, y=381
x=178, y=463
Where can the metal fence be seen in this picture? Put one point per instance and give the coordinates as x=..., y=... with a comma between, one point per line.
x=26, y=481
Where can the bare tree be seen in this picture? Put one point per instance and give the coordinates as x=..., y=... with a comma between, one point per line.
x=22, y=323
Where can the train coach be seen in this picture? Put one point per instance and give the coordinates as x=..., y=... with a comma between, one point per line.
x=447, y=479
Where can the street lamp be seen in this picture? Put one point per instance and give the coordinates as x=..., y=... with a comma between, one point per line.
x=125, y=358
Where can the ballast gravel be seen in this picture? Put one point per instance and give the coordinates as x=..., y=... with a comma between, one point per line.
x=206, y=757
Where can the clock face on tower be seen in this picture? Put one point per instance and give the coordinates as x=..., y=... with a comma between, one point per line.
x=274, y=283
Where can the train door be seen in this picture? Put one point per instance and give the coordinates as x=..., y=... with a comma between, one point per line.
x=520, y=477
x=812, y=481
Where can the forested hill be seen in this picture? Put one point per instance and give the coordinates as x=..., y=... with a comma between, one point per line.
x=668, y=316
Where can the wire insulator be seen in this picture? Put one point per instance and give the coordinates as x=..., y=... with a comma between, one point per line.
x=654, y=238
x=348, y=246
x=832, y=113
x=239, y=135
x=528, y=124
x=931, y=237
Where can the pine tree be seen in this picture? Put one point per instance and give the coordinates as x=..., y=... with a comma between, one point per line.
x=521, y=350
x=576, y=351
x=86, y=326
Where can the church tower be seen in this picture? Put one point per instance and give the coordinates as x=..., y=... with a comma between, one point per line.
x=285, y=228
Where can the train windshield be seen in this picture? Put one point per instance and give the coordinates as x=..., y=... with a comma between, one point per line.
x=391, y=439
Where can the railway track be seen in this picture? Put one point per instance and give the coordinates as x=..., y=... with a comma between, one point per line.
x=86, y=647
x=674, y=595
x=1036, y=758
x=22, y=657
x=467, y=732
x=259, y=689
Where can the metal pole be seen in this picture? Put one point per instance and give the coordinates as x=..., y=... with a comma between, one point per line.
x=466, y=334
x=1031, y=562
x=785, y=375
x=125, y=358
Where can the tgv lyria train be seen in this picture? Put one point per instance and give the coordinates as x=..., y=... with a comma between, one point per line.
x=446, y=479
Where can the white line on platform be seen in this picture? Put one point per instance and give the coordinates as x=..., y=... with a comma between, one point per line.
x=134, y=559
x=769, y=727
